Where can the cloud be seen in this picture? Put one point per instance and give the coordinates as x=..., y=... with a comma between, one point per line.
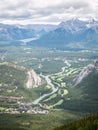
x=45, y=11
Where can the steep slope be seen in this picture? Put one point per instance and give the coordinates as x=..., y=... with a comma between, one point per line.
x=17, y=32
x=12, y=32
x=73, y=32
x=33, y=79
x=15, y=81
x=53, y=39
x=84, y=73
x=88, y=123
x=89, y=85
x=83, y=97
x=73, y=25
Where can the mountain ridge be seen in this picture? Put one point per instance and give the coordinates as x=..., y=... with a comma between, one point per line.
x=73, y=34
x=84, y=73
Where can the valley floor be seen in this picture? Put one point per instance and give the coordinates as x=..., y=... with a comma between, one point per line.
x=43, y=87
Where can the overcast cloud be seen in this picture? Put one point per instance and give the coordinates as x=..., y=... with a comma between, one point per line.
x=46, y=11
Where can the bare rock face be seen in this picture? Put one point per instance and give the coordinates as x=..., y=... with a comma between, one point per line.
x=33, y=80
x=96, y=64
x=85, y=72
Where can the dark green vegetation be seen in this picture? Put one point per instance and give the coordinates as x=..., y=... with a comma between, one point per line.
x=87, y=123
x=11, y=77
x=13, y=88
x=35, y=121
x=60, y=52
x=64, y=105
x=12, y=82
x=81, y=98
x=84, y=97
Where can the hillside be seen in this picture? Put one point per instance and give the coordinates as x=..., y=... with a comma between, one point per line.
x=84, y=96
x=18, y=32
x=32, y=122
x=71, y=34
x=13, y=32
x=88, y=123
x=18, y=85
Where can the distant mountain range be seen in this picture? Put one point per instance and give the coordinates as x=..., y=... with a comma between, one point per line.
x=73, y=32
x=19, y=32
x=65, y=35
x=10, y=32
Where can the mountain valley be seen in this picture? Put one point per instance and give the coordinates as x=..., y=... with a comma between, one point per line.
x=48, y=74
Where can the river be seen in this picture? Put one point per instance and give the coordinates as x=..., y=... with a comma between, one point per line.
x=48, y=80
x=54, y=89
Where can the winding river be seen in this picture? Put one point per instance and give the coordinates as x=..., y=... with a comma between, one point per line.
x=54, y=89
x=48, y=80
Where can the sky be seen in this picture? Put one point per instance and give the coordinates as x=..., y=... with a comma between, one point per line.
x=46, y=11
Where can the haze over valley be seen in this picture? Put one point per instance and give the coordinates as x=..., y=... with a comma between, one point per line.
x=48, y=69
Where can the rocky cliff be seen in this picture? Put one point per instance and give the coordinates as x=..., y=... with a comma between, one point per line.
x=84, y=73
x=33, y=80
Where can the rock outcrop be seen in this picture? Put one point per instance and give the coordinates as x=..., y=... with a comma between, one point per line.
x=84, y=73
x=96, y=64
x=33, y=80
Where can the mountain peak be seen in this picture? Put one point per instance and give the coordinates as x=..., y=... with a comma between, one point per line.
x=73, y=24
x=74, y=20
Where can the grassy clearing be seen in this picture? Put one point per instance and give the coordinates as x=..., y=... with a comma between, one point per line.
x=65, y=92
x=51, y=97
x=56, y=104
